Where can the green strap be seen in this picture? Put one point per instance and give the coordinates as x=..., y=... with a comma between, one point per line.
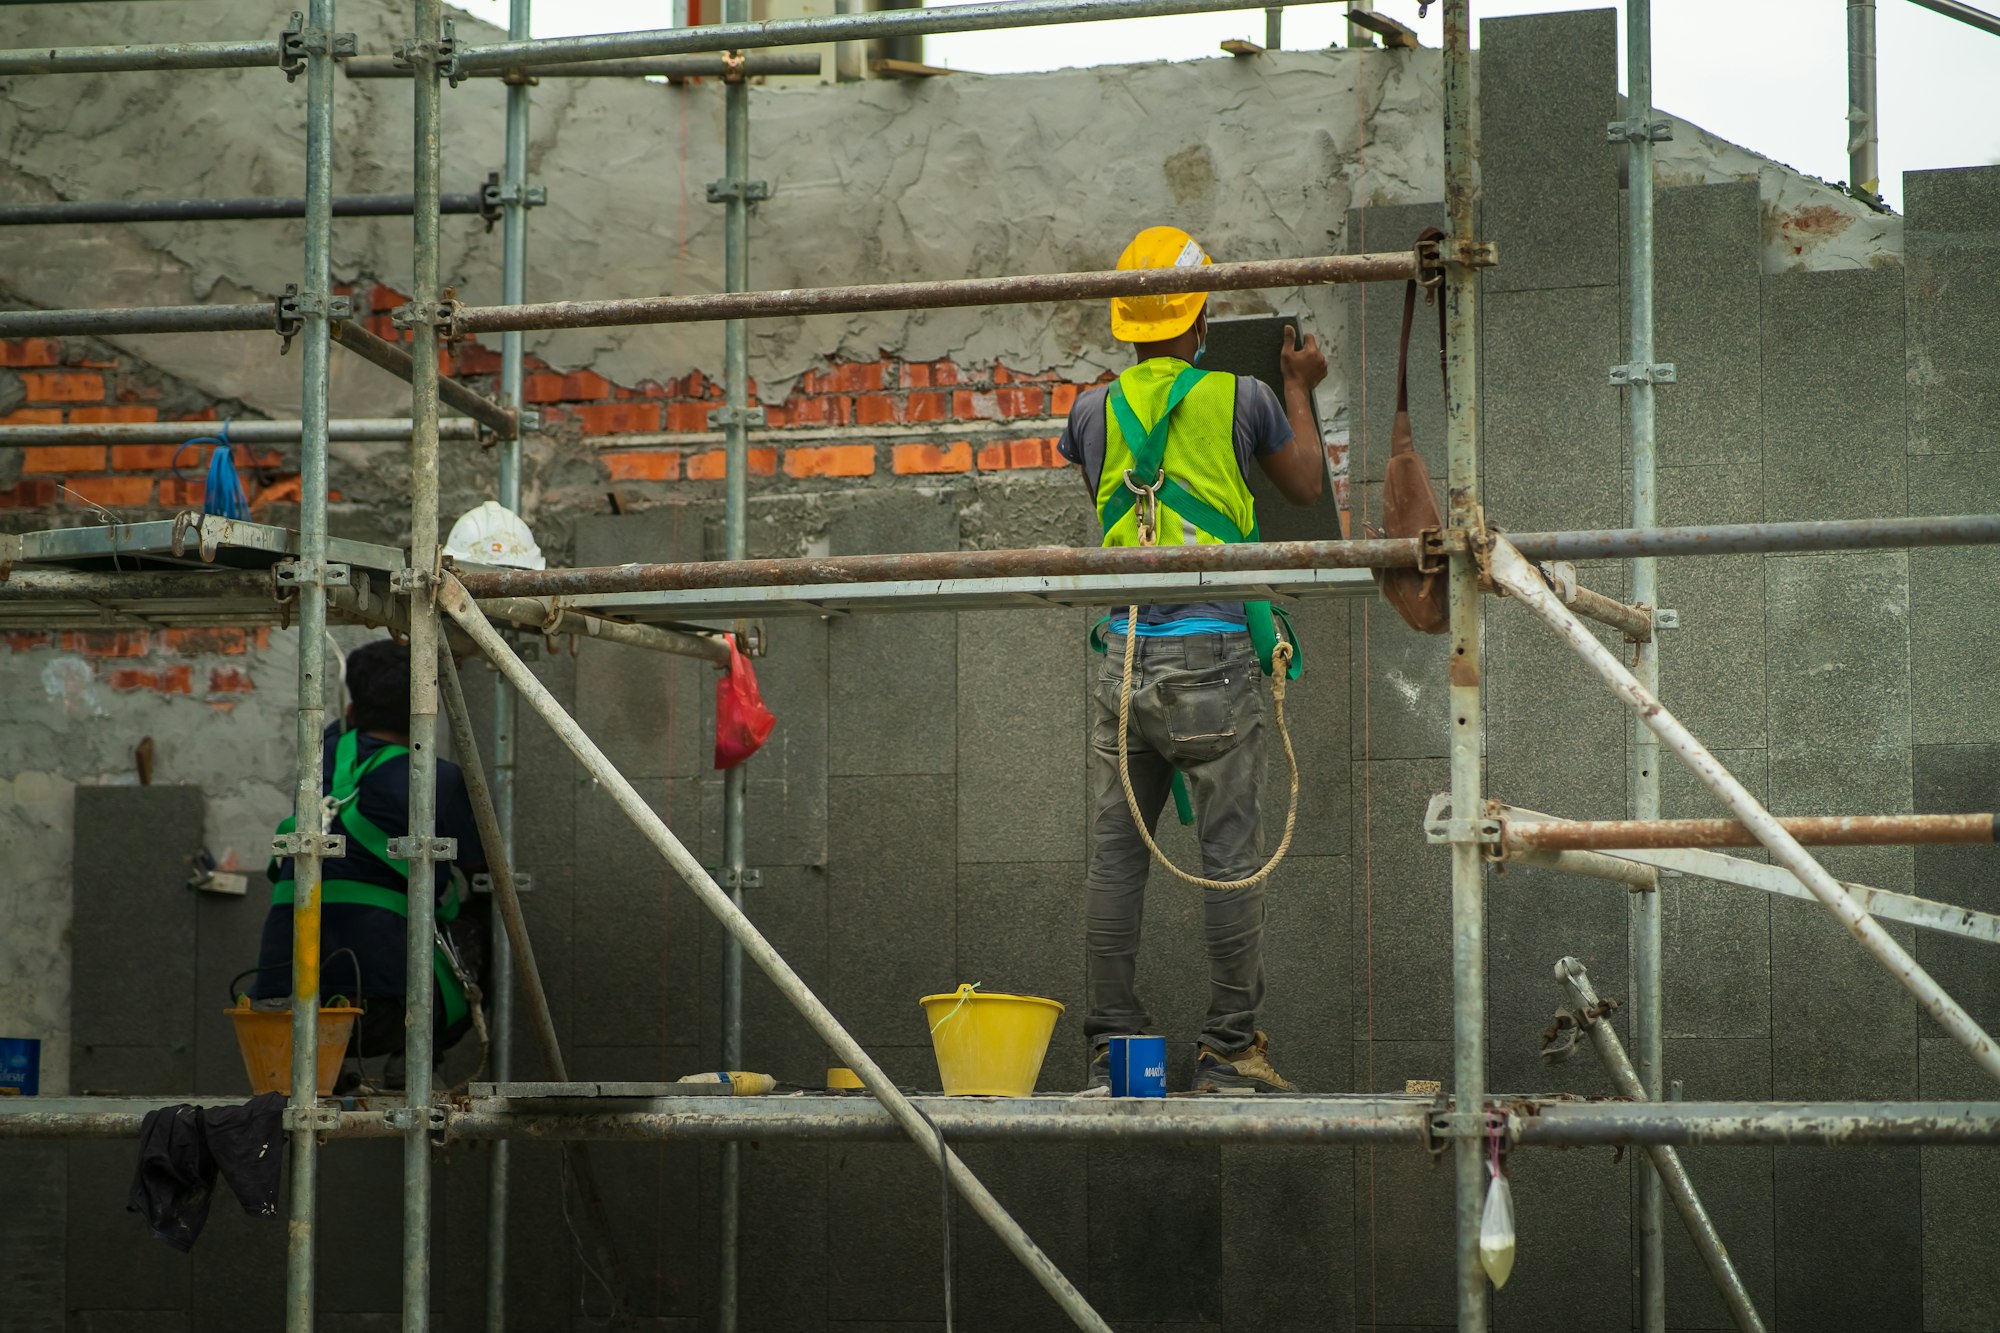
x=1151, y=450
x=375, y=895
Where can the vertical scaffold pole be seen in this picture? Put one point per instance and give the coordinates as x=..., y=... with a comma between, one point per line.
x=1468, y=724
x=425, y=59
x=315, y=287
x=1644, y=750
x=513, y=291
x=736, y=440
x=1864, y=164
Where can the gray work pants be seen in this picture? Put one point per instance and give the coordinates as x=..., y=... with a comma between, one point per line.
x=1197, y=706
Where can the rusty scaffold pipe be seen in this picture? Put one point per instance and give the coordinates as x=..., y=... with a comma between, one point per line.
x=1828, y=831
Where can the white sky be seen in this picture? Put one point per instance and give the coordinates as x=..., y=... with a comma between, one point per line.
x=1768, y=74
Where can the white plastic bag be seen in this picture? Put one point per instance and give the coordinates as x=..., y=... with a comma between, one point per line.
x=1496, y=1231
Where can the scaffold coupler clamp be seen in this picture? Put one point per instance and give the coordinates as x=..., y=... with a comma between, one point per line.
x=1430, y=264
x=435, y=1119
x=441, y=315
x=1445, y=1124
x=298, y=41
x=291, y=307
x=1146, y=510
x=314, y=1119
x=733, y=67
x=442, y=53
x=1440, y=828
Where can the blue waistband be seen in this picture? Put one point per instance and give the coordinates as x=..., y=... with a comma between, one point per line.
x=1189, y=625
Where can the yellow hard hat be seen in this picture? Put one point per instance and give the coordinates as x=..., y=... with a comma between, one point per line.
x=1149, y=319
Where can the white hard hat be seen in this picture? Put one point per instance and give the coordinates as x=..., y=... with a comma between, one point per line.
x=493, y=534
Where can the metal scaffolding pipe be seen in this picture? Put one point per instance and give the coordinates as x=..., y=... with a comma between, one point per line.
x=1513, y=573
x=152, y=56
x=308, y=813
x=537, y=613
x=354, y=430
x=1634, y=622
x=1952, y=9
x=241, y=317
x=1467, y=719
x=757, y=64
x=1850, y=534
x=1395, y=266
x=1590, y=865
x=71, y=211
x=871, y=26
x=1672, y=1174
x=1829, y=831
x=460, y=607
x=62, y=585
x=1864, y=166
x=1383, y=1122
x=380, y=352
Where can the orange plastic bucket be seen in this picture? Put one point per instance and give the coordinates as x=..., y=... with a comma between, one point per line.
x=265, y=1038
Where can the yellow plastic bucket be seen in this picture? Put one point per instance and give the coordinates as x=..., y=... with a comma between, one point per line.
x=265, y=1038
x=990, y=1045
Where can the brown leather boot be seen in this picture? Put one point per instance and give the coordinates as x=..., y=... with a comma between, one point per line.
x=1248, y=1070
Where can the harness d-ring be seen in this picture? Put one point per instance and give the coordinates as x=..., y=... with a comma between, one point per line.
x=1146, y=510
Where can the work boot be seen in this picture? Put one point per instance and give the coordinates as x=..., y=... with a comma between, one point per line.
x=1098, y=1083
x=1248, y=1070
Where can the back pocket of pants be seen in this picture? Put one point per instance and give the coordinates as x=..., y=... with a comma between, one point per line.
x=1202, y=714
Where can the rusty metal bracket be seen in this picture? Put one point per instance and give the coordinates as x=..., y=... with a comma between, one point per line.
x=315, y=1119
x=1444, y=1126
x=325, y=846
x=298, y=41
x=1430, y=263
x=409, y=845
x=1434, y=549
x=1473, y=254
x=441, y=315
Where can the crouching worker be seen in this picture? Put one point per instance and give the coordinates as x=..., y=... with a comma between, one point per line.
x=364, y=895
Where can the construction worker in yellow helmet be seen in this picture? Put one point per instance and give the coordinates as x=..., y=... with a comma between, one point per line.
x=1166, y=452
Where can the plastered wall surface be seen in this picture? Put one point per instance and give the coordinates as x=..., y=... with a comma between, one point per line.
x=917, y=816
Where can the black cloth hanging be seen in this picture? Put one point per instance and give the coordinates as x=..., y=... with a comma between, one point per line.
x=181, y=1148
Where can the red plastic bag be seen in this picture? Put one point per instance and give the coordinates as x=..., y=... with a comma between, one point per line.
x=742, y=723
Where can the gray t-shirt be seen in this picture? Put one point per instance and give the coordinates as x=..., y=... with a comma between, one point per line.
x=1261, y=428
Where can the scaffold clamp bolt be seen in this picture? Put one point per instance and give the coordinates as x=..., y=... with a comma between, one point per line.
x=1638, y=131
x=750, y=418
x=1666, y=618
x=1659, y=372
x=729, y=188
x=298, y=41
x=325, y=846
x=524, y=882
x=409, y=846
x=299, y=574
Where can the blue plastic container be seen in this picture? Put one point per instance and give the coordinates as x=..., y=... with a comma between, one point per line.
x=20, y=1066
x=1138, y=1066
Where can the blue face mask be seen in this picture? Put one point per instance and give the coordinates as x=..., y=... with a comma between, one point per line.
x=1200, y=350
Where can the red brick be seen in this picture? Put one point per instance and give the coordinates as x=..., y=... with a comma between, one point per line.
x=1002, y=375
x=144, y=457
x=63, y=386
x=992, y=457
x=185, y=494
x=82, y=415
x=833, y=460
x=385, y=298
x=210, y=642
x=709, y=465
x=968, y=405
x=687, y=418
x=62, y=459
x=916, y=374
x=137, y=391
x=1061, y=399
x=33, y=416
x=815, y=381
x=840, y=411
x=775, y=418
x=1027, y=453
x=1029, y=401
x=108, y=643
x=112, y=492
x=944, y=374
x=230, y=680
x=619, y=418
x=585, y=386
x=927, y=407
x=643, y=466
x=920, y=459
x=284, y=491
x=476, y=359
x=542, y=388
x=801, y=410
x=763, y=462
x=874, y=409
x=21, y=641
x=206, y=414
x=857, y=376
x=170, y=680
x=30, y=352
x=29, y=495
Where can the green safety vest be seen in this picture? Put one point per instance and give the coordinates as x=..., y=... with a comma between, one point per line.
x=1204, y=499
x=366, y=836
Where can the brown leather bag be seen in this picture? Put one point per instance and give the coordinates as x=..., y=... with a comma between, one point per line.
x=1408, y=504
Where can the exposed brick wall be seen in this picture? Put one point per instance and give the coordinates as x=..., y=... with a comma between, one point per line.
x=158, y=661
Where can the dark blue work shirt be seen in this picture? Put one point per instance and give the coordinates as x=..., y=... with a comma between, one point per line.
x=375, y=934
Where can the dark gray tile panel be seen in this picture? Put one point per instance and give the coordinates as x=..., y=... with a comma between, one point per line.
x=33, y=1233
x=1020, y=929
x=1374, y=326
x=1047, y=1189
x=1954, y=607
x=1707, y=322
x=1715, y=938
x=1401, y=903
x=1288, y=1233
x=1952, y=277
x=1849, y=1228
x=790, y=909
x=1021, y=735
x=1734, y=1184
x=1833, y=394
x=113, y=1261
x=1953, y=779
x=1712, y=667
x=1548, y=85
x=892, y=905
x=134, y=910
x=1156, y=1233
x=1552, y=437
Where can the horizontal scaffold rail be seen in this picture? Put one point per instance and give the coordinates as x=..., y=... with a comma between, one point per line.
x=143, y=56
x=1827, y=831
x=68, y=211
x=831, y=28
x=1382, y=1120
x=1246, y=557
x=755, y=65
x=354, y=430
x=1394, y=266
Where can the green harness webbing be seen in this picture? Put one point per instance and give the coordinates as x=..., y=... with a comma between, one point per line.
x=1260, y=618
x=368, y=835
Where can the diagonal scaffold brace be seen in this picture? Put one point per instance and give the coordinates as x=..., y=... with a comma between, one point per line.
x=456, y=603
x=1512, y=573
